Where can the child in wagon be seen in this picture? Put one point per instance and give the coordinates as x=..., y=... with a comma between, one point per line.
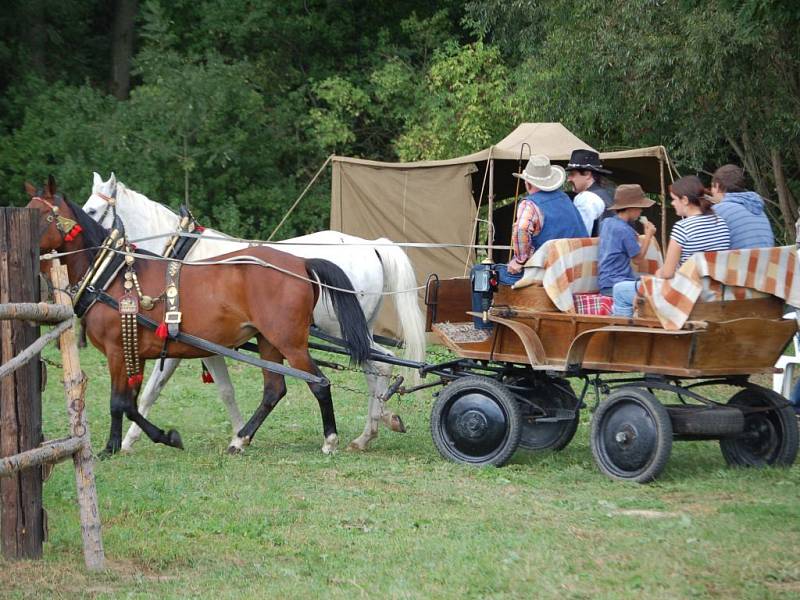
x=619, y=244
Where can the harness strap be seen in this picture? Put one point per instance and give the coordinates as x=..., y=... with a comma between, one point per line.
x=196, y=342
x=172, y=316
x=106, y=268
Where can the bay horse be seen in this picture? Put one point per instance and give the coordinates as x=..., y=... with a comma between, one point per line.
x=375, y=267
x=223, y=303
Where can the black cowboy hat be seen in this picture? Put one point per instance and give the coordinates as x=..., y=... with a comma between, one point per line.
x=586, y=160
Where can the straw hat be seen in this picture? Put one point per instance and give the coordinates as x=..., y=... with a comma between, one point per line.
x=630, y=195
x=542, y=174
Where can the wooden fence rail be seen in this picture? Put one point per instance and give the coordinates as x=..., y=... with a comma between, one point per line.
x=21, y=447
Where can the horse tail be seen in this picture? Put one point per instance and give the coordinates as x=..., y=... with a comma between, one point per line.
x=352, y=322
x=400, y=278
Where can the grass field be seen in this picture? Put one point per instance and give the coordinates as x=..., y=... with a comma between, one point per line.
x=284, y=521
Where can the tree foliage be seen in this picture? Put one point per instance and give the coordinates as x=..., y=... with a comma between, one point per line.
x=234, y=104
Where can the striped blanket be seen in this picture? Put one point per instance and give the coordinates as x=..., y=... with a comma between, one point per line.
x=569, y=266
x=733, y=274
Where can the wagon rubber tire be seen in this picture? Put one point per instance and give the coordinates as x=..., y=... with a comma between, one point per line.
x=770, y=437
x=631, y=435
x=476, y=421
x=705, y=420
x=556, y=435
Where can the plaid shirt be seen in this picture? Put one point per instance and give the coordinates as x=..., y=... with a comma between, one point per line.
x=530, y=221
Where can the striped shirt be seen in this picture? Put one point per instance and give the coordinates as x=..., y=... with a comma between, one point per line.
x=701, y=233
x=530, y=221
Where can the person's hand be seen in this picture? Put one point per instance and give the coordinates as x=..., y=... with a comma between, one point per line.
x=649, y=228
x=513, y=267
x=657, y=273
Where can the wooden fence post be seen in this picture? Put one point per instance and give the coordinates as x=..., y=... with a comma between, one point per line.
x=75, y=387
x=21, y=519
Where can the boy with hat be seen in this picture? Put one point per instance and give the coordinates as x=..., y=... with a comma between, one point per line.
x=592, y=200
x=619, y=244
x=544, y=213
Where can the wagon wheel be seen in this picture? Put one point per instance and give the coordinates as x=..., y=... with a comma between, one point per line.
x=476, y=421
x=770, y=436
x=631, y=435
x=556, y=398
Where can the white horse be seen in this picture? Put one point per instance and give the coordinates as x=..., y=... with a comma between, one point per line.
x=376, y=268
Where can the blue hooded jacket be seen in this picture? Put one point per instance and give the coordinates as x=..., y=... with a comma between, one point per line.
x=748, y=223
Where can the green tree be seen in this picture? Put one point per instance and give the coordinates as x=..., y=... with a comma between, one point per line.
x=713, y=81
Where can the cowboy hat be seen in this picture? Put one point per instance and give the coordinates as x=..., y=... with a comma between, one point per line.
x=630, y=195
x=542, y=174
x=586, y=160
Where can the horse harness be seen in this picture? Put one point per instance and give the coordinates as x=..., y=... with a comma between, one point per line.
x=116, y=253
x=177, y=248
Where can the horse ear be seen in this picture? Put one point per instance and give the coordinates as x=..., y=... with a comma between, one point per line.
x=51, y=186
x=112, y=185
x=30, y=189
x=97, y=181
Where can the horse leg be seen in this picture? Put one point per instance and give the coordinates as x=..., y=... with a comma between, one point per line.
x=378, y=375
x=152, y=389
x=119, y=399
x=123, y=400
x=274, y=390
x=380, y=382
x=301, y=359
x=219, y=371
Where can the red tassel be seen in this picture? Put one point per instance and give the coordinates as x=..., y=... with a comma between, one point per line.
x=73, y=233
x=207, y=377
x=162, y=332
x=199, y=229
x=135, y=380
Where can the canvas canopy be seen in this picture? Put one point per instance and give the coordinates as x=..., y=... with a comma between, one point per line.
x=436, y=201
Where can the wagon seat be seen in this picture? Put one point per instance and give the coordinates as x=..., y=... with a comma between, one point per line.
x=562, y=276
x=722, y=286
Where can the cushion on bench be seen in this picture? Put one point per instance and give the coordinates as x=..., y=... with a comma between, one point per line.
x=593, y=304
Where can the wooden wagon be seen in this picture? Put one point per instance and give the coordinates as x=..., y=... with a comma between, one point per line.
x=528, y=347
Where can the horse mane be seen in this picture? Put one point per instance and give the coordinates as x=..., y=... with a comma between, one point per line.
x=140, y=199
x=93, y=233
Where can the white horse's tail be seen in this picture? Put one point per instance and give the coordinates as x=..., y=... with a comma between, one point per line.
x=400, y=276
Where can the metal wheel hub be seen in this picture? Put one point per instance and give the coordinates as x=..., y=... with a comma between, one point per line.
x=476, y=424
x=760, y=435
x=629, y=436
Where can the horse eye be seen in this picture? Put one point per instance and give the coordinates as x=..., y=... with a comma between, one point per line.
x=91, y=212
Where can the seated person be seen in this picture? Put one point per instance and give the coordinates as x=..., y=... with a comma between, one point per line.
x=742, y=210
x=585, y=172
x=619, y=244
x=544, y=213
x=700, y=230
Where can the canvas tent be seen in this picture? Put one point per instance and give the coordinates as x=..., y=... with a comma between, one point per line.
x=437, y=201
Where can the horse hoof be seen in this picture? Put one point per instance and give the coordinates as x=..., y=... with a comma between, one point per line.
x=355, y=446
x=174, y=439
x=331, y=442
x=234, y=450
x=396, y=424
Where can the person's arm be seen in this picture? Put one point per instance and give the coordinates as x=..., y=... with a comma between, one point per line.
x=671, y=261
x=529, y=223
x=649, y=232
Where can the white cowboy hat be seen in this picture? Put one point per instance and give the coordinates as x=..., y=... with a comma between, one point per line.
x=542, y=174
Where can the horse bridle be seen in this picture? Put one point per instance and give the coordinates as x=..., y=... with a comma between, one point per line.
x=111, y=202
x=68, y=228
